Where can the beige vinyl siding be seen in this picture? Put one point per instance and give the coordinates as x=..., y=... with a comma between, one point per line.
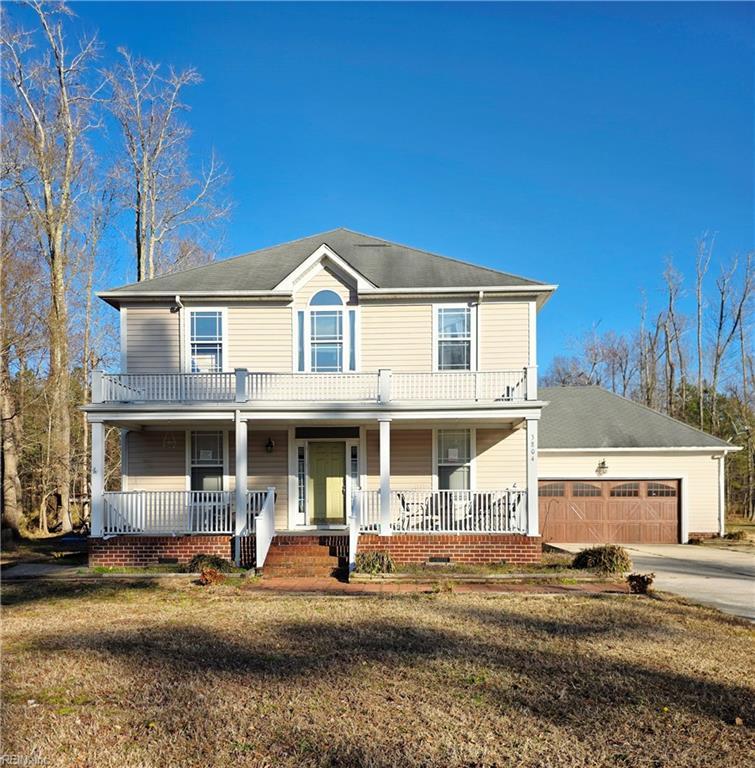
x=264, y=469
x=156, y=461
x=153, y=340
x=504, y=335
x=501, y=459
x=260, y=338
x=698, y=472
x=397, y=336
x=411, y=459
x=324, y=279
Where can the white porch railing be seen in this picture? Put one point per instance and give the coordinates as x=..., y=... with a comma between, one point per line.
x=381, y=387
x=503, y=511
x=167, y=387
x=337, y=387
x=167, y=512
x=265, y=528
x=179, y=512
x=255, y=500
x=469, y=386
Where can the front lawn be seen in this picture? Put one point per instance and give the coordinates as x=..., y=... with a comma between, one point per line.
x=112, y=674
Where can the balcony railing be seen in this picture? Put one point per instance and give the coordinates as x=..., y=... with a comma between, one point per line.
x=169, y=513
x=382, y=387
x=503, y=511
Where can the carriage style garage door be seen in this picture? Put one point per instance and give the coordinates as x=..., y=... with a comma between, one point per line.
x=610, y=511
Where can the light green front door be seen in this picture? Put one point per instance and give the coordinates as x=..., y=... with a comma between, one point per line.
x=326, y=483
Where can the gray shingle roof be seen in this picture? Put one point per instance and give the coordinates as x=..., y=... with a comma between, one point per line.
x=592, y=417
x=385, y=264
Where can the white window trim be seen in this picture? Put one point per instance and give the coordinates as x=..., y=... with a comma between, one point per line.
x=473, y=333
x=472, y=455
x=345, y=309
x=186, y=356
x=187, y=456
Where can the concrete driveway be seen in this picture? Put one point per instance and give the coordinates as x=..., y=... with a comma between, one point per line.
x=720, y=578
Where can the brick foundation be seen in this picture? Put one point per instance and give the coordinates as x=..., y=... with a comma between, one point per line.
x=702, y=535
x=477, y=549
x=140, y=551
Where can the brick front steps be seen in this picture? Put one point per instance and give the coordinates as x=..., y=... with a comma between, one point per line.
x=300, y=556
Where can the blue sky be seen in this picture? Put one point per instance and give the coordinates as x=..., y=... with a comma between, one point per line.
x=578, y=144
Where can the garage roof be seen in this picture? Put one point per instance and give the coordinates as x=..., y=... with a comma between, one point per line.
x=593, y=417
x=383, y=263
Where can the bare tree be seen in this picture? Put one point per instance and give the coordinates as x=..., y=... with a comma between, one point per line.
x=673, y=330
x=49, y=103
x=171, y=206
x=729, y=316
x=704, y=253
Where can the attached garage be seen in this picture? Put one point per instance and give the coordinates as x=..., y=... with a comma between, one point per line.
x=614, y=471
x=620, y=511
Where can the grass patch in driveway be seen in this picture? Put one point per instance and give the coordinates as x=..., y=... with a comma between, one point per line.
x=173, y=674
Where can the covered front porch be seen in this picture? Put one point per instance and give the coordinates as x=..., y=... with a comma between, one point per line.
x=247, y=478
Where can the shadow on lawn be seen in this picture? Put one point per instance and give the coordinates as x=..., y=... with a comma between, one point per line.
x=567, y=684
x=24, y=592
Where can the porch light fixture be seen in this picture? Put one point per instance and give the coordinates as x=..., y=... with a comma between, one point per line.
x=602, y=467
x=270, y=445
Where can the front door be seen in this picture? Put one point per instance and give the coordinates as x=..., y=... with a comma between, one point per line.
x=326, y=484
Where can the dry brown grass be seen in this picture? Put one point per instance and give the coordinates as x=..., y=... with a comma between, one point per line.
x=115, y=675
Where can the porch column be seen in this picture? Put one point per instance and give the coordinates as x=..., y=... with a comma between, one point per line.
x=98, y=478
x=385, y=477
x=533, y=523
x=240, y=505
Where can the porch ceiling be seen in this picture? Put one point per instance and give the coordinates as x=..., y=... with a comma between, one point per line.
x=506, y=421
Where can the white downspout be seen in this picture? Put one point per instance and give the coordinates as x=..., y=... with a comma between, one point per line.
x=181, y=333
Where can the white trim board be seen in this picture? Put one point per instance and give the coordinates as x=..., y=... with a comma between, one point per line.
x=327, y=256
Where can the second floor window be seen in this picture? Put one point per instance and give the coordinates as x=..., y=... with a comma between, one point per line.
x=454, y=333
x=327, y=335
x=326, y=341
x=206, y=341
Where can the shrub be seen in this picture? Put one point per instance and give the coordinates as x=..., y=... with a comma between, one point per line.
x=695, y=540
x=606, y=559
x=640, y=583
x=736, y=536
x=210, y=576
x=199, y=562
x=375, y=562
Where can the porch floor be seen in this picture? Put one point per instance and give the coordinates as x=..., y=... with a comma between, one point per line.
x=313, y=532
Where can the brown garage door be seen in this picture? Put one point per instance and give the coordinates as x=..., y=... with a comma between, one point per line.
x=610, y=511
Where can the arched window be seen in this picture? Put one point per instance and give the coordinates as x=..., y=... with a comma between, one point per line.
x=326, y=299
x=327, y=335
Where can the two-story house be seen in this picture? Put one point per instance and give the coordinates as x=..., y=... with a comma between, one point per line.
x=338, y=390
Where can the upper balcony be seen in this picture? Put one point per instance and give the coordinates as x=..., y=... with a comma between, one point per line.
x=381, y=388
